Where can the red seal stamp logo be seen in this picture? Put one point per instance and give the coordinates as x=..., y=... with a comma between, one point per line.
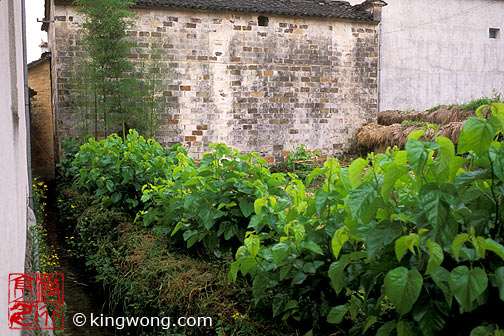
x=36, y=301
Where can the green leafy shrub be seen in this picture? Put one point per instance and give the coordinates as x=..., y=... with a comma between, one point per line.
x=114, y=171
x=210, y=203
x=406, y=242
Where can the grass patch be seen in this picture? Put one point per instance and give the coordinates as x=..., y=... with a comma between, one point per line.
x=434, y=109
x=144, y=275
x=474, y=104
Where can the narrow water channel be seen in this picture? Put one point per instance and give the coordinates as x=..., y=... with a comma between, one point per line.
x=81, y=295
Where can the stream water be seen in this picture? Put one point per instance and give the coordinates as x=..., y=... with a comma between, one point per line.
x=81, y=295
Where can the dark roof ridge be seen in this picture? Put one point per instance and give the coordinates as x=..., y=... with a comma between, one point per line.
x=45, y=56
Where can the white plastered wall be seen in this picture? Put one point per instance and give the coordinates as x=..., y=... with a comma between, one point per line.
x=13, y=153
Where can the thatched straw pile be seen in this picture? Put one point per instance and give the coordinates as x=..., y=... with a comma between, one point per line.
x=376, y=138
x=443, y=115
x=391, y=132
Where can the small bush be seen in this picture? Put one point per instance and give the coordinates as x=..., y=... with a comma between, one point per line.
x=115, y=171
x=210, y=203
x=303, y=160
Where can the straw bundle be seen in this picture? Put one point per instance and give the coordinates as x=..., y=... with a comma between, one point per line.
x=376, y=138
x=443, y=115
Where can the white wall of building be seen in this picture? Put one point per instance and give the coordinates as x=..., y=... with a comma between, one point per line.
x=13, y=163
x=439, y=52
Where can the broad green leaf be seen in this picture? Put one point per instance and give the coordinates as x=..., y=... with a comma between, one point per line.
x=337, y=273
x=110, y=185
x=377, y=236
x=278, y=306
x=233, y=272
x=441, y=278
x=336, y=314
x=418, y=153
x=246, y=264
x=477, y=134
x=246, y=207
x=309, y=268
x=339, y=239
x=116, y=197
x=312, y=246
x=401, y=158
x=403, y=288
x=280, y=252
x=355, y=172
x=467, y=285
x=416, y=135
x=393, y=172
x=497, y=156
x=499, y=281
x=321, y=201
x=206, y=216
x=177, y=227
x=400, y=247
x=433, y=202
x=361, y=201
x=457, y=244
x=455, y=166
x=443, y=159
x=404, y=328
x=259, y=204
x=495, y=247
x=469, y=177
x=252, y=243
x=369, y=322
x=429, y=319
x=299, y=233
x=481, y=331
x=436, y=256
x=299, y=278
x=386, y=329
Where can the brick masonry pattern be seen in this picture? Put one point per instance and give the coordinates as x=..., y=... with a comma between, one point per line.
x=258, y=88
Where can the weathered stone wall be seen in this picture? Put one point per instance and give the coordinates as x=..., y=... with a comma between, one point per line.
x=41, y=121
x=257, y=88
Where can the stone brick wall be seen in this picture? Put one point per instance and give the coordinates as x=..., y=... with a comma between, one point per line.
x=41, y=120
x=257, y=88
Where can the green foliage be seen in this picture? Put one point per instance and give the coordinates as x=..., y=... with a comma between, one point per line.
x=43, y=256
x=435, y=108
x=114, y=171
x=111, y=94
x=210, y=203
x=413, y=236
x=303, y=160
x=404, y=242
x=475, y=103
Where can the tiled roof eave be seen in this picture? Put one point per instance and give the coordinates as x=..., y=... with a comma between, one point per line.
x=300, y=8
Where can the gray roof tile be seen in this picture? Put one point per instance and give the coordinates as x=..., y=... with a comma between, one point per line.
x=332, y=9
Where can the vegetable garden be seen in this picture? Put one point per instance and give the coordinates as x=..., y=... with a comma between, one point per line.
x=408, y=242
